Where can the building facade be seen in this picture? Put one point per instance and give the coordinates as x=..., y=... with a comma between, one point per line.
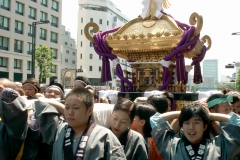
x=16, y=32
x=107, y=16
x=210, y=72
x=68, y=58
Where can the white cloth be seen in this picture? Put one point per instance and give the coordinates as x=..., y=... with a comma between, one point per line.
x=112, y=94
x=149, y=93
x=207, y=94
x=101, y=114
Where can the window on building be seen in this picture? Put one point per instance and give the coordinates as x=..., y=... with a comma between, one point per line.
x=5, y=4
x=18, y=27
x=53, y=69
x=18, y=46
x=67, y=51
x=44, y=3
x=43, y=16
x=29, y=49
x=100, y=57
x=33, y=0
x=90, y=68
x=4, y=43
x=65, y=43
x=32, y=13
x=73, y=62
x=81, y=31
x=74, y=53
x=17, y=63
x=29, y=65
x=54, y=21
x=100, y=21
x=30, y=30
x=81, y=20
x=54, y=53
x=66, y=33
x=99, y=68
x=3, y=62
x=81, y=43
x=107, y=23
x=43, y=34
x=4, y=23
x=54, y=37
x=55, y=6
x=66, y=60
x=19, y=8
x=90, y=44
x=91, y=19
x=91, y=56
x=81, y=56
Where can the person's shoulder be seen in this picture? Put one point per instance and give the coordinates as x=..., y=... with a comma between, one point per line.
x=135, y=135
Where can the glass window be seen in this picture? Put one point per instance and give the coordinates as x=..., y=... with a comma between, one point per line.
x=43, y=34
x=90, y=44
x=19, y=8
x=4, y=43
x=91, y=19
x=81, y=31
x=3, y=62
x=30, y=30
x=73, y=62
x=17, y=46
x=90, y=68
x=44, y=2
x=29, y=65
x=81, y=56
x=107, y=23
x=18, y=27
x=100, y=21
x=100, y=57
x=81, y=43
x=65, y=43
x=43, y=16
x=67, y=51
x=17, y=63
x=32, y=13
x=81, y=20
x=54, y=53
x=29, y=49
x=5, y=4
x=54, y=5
x=4, y=23
x=54, y=21
x=54, y=69
x=74, y=53
x=66, y=60
x=99, y=68
x=91, y=56
x=54, y=37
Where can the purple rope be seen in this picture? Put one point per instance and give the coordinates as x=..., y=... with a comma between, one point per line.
x=102, y=49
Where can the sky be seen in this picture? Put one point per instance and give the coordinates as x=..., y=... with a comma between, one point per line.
x=220, y=19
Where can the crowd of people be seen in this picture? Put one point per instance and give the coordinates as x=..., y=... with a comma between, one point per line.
x=44, y=122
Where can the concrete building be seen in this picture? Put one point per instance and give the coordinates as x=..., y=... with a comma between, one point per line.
x=210, y=70
x=107, y=16
x=16, y=31
x=68, y=58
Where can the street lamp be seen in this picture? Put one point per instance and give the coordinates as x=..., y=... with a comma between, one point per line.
x=34, y=43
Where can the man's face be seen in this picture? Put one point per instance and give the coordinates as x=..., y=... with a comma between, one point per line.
x=236, y=107
x=224, y=108
x=193, y=129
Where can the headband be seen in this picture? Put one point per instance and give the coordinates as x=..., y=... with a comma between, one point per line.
x=54, y=86
x=81, y=82
x=30, y=85
x=220, y=100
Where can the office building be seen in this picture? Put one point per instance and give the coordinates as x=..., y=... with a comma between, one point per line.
x=16, y=32
x=210, y=72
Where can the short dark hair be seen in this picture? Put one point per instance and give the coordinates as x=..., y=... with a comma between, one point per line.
x=84, y=79
x=84, y=94
x=144, y=111
x=127, y=106
x=191, y=110
x=34, y=82
x=158, y=101
x=236, y=96
x=169, y=96
x=215, y=96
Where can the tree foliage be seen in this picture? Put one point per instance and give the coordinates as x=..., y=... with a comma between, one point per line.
x=223, y=86
x=44, y=60
x=238, y=81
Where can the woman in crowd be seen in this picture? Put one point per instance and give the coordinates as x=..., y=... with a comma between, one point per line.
x=236, y=102
x=31, y=87
x=141, y=124
x=195, y=142
x=120, y=121
x=160, y=102
x=54, y=90
x=81, y=81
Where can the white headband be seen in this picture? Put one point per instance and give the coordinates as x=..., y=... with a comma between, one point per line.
x=30, y=85
x=81, y=82
x=54, y=86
